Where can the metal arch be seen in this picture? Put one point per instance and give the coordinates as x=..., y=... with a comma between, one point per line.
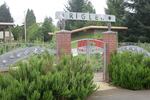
x=87, y=39
x=88, y=49
x=105, y=70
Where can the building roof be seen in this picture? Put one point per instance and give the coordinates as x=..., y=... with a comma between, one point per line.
x=99, y=28
x=4, y=25
x=50, y=33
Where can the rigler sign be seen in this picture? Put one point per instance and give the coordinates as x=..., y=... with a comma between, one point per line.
x=85, y=16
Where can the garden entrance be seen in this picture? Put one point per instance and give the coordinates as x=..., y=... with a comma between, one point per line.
x=88, y=47
x=94, y=50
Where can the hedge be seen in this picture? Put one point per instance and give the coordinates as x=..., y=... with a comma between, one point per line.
x=130, y=70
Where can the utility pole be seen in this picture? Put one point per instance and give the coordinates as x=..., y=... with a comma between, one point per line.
x=25, y=28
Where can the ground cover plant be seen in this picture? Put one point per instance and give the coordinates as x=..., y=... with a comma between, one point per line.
x=6, y=47
x=146, y=46
x=130, y=70
x=42, y=77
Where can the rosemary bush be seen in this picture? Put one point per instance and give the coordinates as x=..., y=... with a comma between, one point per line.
x=130, y=70
x=43, y=77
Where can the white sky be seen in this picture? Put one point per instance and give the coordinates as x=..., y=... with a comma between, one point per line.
x=43, y=8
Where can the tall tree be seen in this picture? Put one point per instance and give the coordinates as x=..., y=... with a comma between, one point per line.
x=5, y=15
x=18, y=32
x=34, y=32
x=30, y=18
x=117, y=8
x=47, y=27
x=78, y=6
x=138, y=20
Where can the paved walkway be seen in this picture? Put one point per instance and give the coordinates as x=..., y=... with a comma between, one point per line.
x=98, y=77
x=107, y=92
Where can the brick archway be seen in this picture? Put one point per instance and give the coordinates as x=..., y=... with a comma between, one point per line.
x=63, y=42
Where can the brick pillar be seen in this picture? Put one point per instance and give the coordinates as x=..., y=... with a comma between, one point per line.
x=63, y=43
x=111, y=40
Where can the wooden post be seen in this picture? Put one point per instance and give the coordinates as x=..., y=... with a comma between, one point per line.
x=9, y=35
x=4, y=39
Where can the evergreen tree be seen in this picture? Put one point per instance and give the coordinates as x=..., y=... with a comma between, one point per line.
x=30, y=18
x=47, y=27
x=78, y=6
x=117, y=8
x=5, y=15
x=34, y=32
x=138, y=20
x=135, y=15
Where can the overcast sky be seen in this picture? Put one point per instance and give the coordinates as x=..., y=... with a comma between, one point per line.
x=43, y=8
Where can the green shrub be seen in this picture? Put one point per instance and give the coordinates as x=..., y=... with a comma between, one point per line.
x=42, y=77
x=146, y=46
x=130, y=70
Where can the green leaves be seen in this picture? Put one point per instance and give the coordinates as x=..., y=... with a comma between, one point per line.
x=42, y=77
x=5, y=15
x=130, y=70
x=79, y=6
x=30, y=18
x=117, y=8
x=47, y=27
